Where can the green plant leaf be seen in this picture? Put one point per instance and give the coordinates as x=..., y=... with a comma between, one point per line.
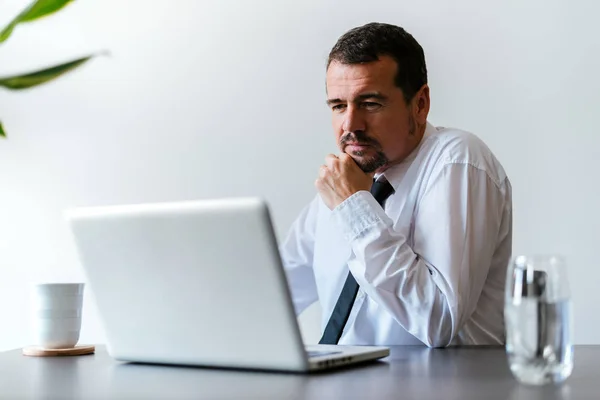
x=37, y=9
x=42, y=8
x=42, y=76
x=2, y=133
x=5, y=33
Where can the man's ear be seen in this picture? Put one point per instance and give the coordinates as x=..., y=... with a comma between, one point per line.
x=421, y=105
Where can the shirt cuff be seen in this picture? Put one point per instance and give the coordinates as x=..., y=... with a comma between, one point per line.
x=357, y=214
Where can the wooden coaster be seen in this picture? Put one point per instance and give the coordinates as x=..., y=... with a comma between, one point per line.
x=37, y=351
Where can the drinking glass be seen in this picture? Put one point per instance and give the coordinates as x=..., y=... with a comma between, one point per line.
x=537, y=316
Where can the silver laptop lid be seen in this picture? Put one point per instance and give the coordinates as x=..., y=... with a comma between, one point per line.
x=196, y=282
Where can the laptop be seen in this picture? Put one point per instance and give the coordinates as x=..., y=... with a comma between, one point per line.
x=197, y=283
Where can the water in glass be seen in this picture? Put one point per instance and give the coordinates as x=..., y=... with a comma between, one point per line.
x=538, y=321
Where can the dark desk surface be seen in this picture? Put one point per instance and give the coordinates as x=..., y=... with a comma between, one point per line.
x=408, y=373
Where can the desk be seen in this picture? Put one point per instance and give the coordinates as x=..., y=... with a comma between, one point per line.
x=410, y=372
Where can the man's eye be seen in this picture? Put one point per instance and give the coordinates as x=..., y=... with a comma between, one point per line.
x=370, y=105
x=338, y=107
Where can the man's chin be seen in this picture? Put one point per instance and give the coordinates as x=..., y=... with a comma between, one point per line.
x=368, y=165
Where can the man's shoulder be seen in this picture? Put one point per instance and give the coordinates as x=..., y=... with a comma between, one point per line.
x=459, y=146
x=457, y=143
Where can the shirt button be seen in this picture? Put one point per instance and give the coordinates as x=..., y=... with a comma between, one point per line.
x=360, y=294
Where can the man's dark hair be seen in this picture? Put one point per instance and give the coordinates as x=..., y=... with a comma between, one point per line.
x=367, y=43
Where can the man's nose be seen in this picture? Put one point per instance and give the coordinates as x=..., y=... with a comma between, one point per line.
x=353, y=121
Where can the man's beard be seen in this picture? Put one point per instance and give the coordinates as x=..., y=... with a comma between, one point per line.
x=379, y=159
x=370, y=164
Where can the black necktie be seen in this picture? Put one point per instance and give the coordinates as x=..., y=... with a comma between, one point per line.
x=381, y=190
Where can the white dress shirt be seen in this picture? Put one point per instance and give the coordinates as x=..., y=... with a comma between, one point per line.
x=431, y=267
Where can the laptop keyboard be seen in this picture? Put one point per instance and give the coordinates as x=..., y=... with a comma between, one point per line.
x=321, y=353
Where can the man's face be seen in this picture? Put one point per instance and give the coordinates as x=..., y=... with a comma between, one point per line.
x=371, y=120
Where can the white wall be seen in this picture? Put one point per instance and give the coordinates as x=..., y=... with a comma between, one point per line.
x=219, y=98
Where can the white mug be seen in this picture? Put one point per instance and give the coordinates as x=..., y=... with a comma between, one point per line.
x=56, y=314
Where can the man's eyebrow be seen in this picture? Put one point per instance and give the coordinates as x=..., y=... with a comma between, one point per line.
x=333, y=101
x=371, y=95
x=360, y=97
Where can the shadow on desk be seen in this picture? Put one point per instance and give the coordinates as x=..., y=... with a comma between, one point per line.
x=412, y=369
x=184, y=381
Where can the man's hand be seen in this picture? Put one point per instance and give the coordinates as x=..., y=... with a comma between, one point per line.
x=340, y=178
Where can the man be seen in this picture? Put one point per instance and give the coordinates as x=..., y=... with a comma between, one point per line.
x=419, y=256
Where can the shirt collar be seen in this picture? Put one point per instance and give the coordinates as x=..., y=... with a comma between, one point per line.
x=395, y=173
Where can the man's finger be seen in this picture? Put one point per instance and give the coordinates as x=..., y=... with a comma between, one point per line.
x=322, y=185
x=319, y=184
x=323, y=170
x=331, y=160
x=348, y=162
x=345, y=157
